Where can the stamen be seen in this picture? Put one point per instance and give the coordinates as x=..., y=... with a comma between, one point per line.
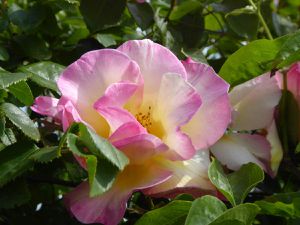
x=145, y=119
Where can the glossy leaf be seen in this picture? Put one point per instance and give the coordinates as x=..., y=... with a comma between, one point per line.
x=33, y=46
x=100, y=15
x=46, y=154
x=289, y=51
x=44, y=74
x=205, y=210
x=7, y=138
x=142, y=13
x=243, y=22
x=241, y=214
x=102, y=159
x=173, y=213
x=28, y=19
x=22, y=92
x=7, y=78
x=15, y=160
x=250, y=60
x=21, y=120
x=105, y=39
x=4, y=56
x=184, y=8
x=236, y=185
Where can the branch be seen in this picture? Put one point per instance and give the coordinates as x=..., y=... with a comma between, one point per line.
x=261, y=19
x=173, y=3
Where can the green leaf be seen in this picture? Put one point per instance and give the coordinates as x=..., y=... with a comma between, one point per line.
x=103, y=160
x=173, y=213
x=21, y=120
x=14, y=194
x=283, y=197
x=184, y=197
x=241, y=214
x=205, y=210
x=101, y=177
x=33, y=46
x=46, y=154
x=101, y=147
x=15, y=160
x=184, y=8
x=28, y=19
x=2, y=124
x=142, y=13
x=283, y=204
x=8, y=137
x=22, y=92
x=282, y=25
x=99, y=15
x=250, y=60
x=289, y=51
x=236, y=185
x=7, y=78
x=243, y=22
x=44, y=74
x=277, y=208
x=105, y=39
x=195, y=54
x=4, y=56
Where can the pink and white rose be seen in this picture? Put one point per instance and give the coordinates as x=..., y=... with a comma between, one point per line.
x=160, y=112
x=252, y=134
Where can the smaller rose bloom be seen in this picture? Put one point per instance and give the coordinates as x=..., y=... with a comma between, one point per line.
x=155, y=109
x=252, y=135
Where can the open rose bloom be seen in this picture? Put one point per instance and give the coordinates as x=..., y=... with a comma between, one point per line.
x=160, y=112
x=252, y=134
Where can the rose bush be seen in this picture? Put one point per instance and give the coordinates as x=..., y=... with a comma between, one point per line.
x=162, y=113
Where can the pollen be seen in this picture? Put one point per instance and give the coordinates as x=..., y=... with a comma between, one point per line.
x=145, y=118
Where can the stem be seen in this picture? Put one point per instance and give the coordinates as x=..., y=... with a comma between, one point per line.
x=262, y=20
x=173, y=3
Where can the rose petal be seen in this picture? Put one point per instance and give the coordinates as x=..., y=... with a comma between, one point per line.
x=86, y=80
x=293, y=81
x=276, y=148
x=190, y=176
x=111, y=103
x=154, y=60
x=69, y=113
x=47, y=106
x=109, y=208
x=234, y=150
x=214, y=115
x=140, y=147
x=254, y=102
x=177, y=102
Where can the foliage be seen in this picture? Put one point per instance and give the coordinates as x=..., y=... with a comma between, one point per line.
x=240, y=39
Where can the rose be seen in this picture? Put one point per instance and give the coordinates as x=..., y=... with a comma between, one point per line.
x=252, y=135
x=155, y=109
